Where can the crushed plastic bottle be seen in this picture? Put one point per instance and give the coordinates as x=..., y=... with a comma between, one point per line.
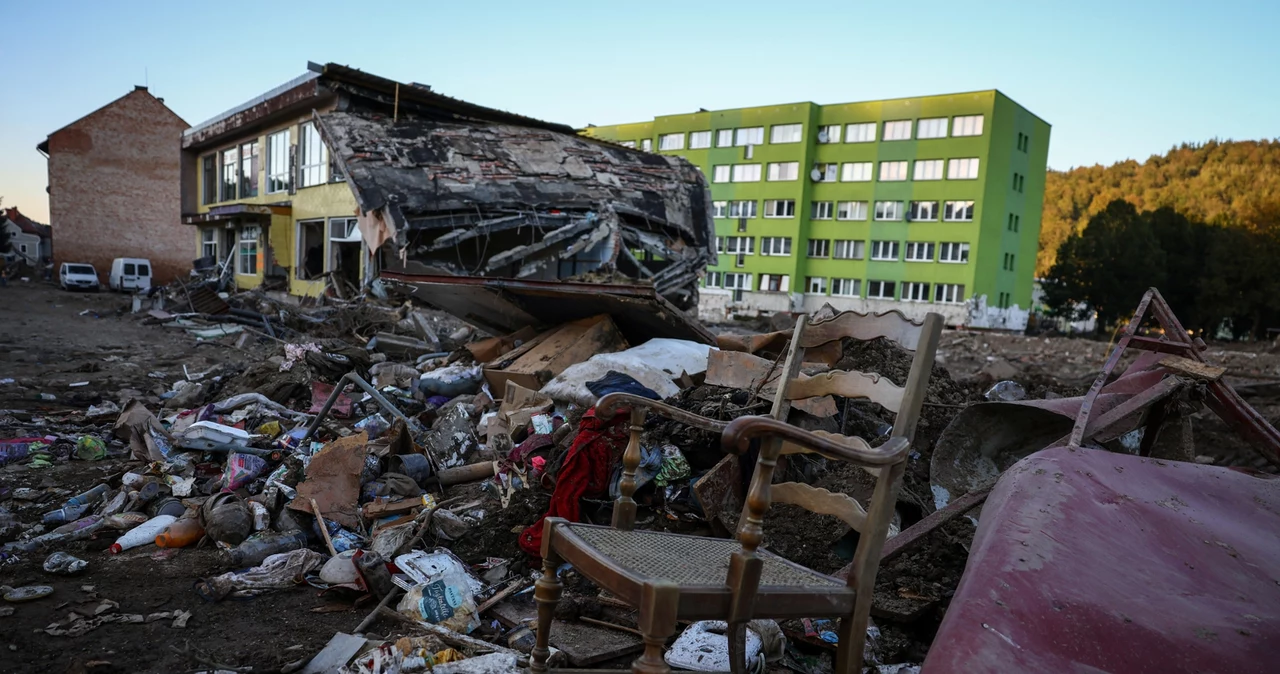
x=1006, y=391
x=64, y=564
x=264, y=544
x=66, y=514
x=92, y=496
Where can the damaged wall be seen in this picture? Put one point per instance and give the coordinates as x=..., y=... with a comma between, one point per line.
x=521, y=202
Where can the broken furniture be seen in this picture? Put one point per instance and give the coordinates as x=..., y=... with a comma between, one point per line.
x=1144, y=411
x=1086, y=560
x=538, y=360
x=673, y=577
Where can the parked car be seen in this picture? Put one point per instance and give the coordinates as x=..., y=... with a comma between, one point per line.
x=130, y=273
x=73, y=275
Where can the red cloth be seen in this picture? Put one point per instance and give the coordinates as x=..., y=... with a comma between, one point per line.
x=584, y=473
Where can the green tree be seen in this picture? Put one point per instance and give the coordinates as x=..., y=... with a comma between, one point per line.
x=1106, y=267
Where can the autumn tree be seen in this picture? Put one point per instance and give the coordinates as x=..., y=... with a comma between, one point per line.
x=1107, y=267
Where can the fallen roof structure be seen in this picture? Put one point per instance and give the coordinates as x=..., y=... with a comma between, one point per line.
x=459, y=190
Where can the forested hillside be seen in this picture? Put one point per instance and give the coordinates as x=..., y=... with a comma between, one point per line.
x=1220, y=183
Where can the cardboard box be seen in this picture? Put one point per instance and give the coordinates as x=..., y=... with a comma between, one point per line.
x=547, y=355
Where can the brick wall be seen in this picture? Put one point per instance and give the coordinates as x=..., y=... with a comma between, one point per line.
x=115, y=188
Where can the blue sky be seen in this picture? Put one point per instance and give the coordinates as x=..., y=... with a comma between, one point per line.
x=1117, y=80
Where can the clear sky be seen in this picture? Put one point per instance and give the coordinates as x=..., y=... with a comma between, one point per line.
x=1117, y=79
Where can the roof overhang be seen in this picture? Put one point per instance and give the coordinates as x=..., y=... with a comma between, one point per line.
x=233, y=211
x=292, y=99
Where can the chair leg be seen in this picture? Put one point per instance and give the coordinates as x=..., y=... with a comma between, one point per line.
x=737, y=634
x=853, y=641
x=658, y=606
x=547, y=593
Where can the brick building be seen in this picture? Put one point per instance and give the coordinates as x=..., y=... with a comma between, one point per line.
x=115, y=186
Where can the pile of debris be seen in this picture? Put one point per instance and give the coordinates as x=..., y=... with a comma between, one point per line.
x=406, y=474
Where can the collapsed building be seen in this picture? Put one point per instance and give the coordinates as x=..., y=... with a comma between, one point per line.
x=437, y=186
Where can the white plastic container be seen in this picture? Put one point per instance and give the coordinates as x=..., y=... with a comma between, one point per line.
x=214, y=432
x=704, y=647
x=142, y=534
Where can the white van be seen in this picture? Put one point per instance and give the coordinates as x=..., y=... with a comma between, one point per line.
x=130, y=273
x=77, y=275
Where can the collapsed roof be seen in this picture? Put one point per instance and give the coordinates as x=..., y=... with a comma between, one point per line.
x=508, y=196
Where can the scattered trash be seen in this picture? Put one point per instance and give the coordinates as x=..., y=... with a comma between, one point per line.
x=704, y=647
x=28, y=593
x=142, y=534
x=64, y=564
x=1006, y=391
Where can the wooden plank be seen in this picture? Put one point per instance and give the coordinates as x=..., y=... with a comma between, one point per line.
x=822, y=502
x=1193, y=368
x=849, y=384
x=571, y=343
x=892, y=325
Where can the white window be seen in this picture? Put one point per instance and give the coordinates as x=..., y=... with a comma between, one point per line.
x=786, y=133
x=968, y=125
x=825, y=173
x=919, y=251
x=209, y=243
x=957, y=211
x=784, y=170
x=714, y=279
x=847, y=249
x=742, y=209
x=719, y=209
x=646, y=144
x=881, y=290
x=720, y=244
x=932, y=128
x=737, y=281
x=888, y=210
x=820, y=210
x=846, y=287
x=915, y=292
x=860, y=133
x=774, y=283
x=948, y=293
x=776, y=246
x=963, y=169
x=923, y=210
x=952, y=251
x=749, y=136
x=899, y=130
x=891, y=171
x=247, y=258
x=671, y=141
x=928, y=169
x=780, y=208
x=884, y=250
x=699, y=140
x=816, y=285
x=627, y=143
x=829, y=134
x=819, y=247
x=313, y=157
x=720, y=174
x=851, y=210
x=724, y=138
x=279, y=177
x=856, y=172
x=739, y=245
x=231, y=172
x=746, y=173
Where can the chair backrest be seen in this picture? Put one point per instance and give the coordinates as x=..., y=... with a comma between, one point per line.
x=921, y=337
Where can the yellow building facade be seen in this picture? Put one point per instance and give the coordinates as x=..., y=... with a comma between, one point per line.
x=262, y=194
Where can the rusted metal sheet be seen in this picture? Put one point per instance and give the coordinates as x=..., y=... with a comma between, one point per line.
x=503, y=306
x=1090, y=561
x=205, y=301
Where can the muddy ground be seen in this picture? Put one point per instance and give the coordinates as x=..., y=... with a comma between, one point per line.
x=50, y=339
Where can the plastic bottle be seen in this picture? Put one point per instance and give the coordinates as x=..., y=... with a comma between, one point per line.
x=73, y=531
x=133, y=480
x=126, y=521
x=66, y=514
x=262, y=545
x=181, y=533
x=92, y=496
x=167, y=506
x=142, y=534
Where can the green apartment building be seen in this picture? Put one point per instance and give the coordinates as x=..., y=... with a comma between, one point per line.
x=916, y=204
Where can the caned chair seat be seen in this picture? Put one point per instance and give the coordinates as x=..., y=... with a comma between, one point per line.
x=690, y=560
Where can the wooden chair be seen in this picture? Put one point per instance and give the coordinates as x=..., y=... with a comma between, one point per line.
x=672, y=577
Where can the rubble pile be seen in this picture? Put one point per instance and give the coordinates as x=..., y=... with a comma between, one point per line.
x=377, y=473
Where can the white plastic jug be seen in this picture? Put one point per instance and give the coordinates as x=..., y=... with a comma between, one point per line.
x=142, y=534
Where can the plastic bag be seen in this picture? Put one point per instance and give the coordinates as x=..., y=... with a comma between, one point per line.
x=445, y=600
x=674, y=466
x=241, y=470
x=89, y=448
